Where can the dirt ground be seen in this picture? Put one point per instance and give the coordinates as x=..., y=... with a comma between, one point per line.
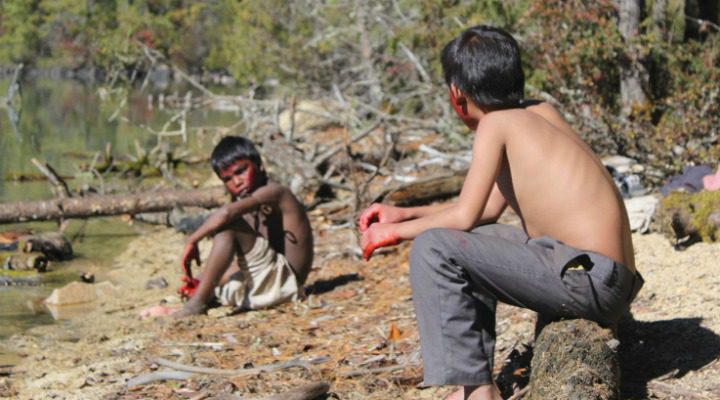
x=357, y=324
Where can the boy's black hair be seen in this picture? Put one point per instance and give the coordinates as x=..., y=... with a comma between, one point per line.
x=484, y=62
x=231, y=149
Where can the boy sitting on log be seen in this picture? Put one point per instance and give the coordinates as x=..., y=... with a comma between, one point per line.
x=262, y=242
x=573, y=256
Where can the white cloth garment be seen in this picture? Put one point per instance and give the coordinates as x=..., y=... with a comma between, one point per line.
x=265, y=279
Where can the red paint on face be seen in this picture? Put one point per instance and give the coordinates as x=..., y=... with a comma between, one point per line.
x=461, y=111
x=240, y=178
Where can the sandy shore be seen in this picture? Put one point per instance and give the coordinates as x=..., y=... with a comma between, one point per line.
x=358, y=320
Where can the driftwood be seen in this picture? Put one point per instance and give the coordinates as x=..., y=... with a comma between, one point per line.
x=575, y=359
x=52, y=245
x=96, y=206
x=424, y=191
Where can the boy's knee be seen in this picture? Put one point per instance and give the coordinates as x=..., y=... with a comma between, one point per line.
x=429, y=242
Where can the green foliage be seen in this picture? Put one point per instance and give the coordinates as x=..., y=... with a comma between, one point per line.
x=575, y=53
x=20, y=39
x=386, y=53
x=574, y=44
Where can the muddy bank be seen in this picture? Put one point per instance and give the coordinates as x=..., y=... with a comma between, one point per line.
x=359, y=319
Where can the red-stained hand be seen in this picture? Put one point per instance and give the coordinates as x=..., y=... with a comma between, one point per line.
x=190, y=254
x=378, y=235
x=381, y=213
x=187, y=290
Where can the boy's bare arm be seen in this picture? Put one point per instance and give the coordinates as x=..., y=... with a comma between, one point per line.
x=477, y=188
x=222, y=216
x=383, y=213
x=474, y=198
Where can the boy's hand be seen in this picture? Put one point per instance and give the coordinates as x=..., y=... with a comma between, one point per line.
x=381, y=213
x=187, y=290
x=378, y=235
x=190, y=253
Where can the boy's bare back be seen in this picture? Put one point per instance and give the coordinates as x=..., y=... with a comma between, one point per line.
x=554, y=181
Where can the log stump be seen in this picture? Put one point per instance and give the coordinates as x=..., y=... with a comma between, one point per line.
x=575, y=360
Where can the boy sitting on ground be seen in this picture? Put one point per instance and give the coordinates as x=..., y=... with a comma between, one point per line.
x=573, y=256
x=262, y=241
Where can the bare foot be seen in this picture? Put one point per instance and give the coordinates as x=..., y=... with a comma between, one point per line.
x=190, y=308
x=456, y=395
x=482, y=392
x=157, y=311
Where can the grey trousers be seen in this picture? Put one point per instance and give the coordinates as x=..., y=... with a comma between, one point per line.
x=457, y=278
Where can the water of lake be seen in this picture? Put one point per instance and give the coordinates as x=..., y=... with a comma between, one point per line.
x=65, y=123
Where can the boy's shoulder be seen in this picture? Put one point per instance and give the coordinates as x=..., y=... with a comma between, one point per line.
x=534, y=116
x=271, y=191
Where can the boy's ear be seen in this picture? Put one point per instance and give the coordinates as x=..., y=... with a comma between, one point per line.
x=456, y=93
x=459, y=103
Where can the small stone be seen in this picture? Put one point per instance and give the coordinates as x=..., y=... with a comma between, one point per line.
x=613, y=344
x=156, y=283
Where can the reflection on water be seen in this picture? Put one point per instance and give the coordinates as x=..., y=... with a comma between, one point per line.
x=96, y=243
x=65, y=124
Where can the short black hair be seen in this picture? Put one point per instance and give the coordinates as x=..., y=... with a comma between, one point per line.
x=231, y=149
x=484, y=62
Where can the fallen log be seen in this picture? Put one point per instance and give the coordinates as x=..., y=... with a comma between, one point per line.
x=97, y=206
x=424, y=191
x=575, y=359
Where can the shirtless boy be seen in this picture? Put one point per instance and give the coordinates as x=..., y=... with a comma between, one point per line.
x=262, y=241
x=573, y=256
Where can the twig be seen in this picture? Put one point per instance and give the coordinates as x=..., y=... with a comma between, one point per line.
x=337, y=148
x=14, y=86
x=241, y=372
x=423, y=74
x=365, y=371
x=59, y=186
x=675, y=391
x=703, y=22
x=291, y=129
x=388, y=152
x=158, y=376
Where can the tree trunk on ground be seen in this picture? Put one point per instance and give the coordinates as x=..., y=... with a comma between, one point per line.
x=96, y=206
x=631, y=75
x=575, y=359
x=424, y=191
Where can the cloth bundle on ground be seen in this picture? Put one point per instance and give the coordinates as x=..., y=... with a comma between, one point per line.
x=691, y=180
